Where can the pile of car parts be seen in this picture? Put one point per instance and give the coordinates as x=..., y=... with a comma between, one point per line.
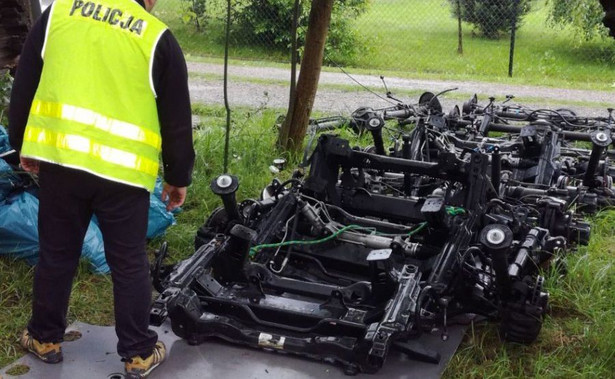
x=451, y=213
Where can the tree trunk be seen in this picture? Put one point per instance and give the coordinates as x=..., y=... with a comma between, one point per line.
x=15, y=21
x=298, y=116
x=609, y=18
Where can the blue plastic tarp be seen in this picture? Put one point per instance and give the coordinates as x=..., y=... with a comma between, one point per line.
x=159, y=219
x=4, y=140
x=9, y=181
x=19, y=233
x=18, y=227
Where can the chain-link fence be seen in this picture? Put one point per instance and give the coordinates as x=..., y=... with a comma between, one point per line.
x=555, y=39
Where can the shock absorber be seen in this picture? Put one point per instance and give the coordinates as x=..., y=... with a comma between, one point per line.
x=377, y=135
x=368, y=119
x=600, y=141
x=497, y=240
x=226, y=186
x=496, y=170
x=405, y=153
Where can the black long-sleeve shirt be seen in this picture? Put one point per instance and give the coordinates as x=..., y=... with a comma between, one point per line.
x=170, y=76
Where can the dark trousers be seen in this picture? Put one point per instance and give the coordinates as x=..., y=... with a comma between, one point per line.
x=68, y=199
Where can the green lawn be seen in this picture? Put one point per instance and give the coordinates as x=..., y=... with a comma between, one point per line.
x=421, y=36
x=577, y=341
x=418, y=38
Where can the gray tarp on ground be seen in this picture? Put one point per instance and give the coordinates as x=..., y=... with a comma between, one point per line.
x=94, y=356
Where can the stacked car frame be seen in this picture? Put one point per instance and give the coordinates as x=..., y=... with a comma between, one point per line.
x=452, y=214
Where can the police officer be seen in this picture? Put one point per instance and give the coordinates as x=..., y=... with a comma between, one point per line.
x=101, y=90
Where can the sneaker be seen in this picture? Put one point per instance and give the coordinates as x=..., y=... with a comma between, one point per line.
x=137, y=367
x=47, y=352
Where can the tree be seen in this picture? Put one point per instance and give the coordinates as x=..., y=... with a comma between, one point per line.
x=609, y=18
x=491, y=17
x=16, y=18
x=584, y=16
x=295, y=125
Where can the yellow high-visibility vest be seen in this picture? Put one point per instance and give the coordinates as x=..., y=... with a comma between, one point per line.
x=95, y=106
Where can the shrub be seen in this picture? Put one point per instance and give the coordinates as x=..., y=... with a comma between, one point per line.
x=491, y=17
x=268, y=23
x=584, y=16
x=194, y=11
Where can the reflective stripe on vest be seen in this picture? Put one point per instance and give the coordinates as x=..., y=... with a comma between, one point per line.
x=95, y=106
x=97, y=120
x=95, y=149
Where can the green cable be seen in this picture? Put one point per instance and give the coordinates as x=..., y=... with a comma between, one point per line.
x=454, y=211
x=257, y=248
x=421, y=226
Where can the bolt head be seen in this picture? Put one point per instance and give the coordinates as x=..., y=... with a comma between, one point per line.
x=224, y=181
x=279, y=163
x=496, y=236
x=374, y=122
x=602, y=137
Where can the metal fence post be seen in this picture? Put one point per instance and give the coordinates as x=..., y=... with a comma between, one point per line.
x=513, y=33
x=459, y=31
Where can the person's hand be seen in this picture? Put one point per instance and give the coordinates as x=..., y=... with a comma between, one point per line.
x=29, y=164
x=174, y=195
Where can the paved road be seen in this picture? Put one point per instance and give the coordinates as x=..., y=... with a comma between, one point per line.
x=251, y=93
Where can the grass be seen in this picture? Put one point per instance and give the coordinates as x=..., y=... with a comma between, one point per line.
x=18, y=370
x=577, y=341
x=418, y=38
x=424, y=40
